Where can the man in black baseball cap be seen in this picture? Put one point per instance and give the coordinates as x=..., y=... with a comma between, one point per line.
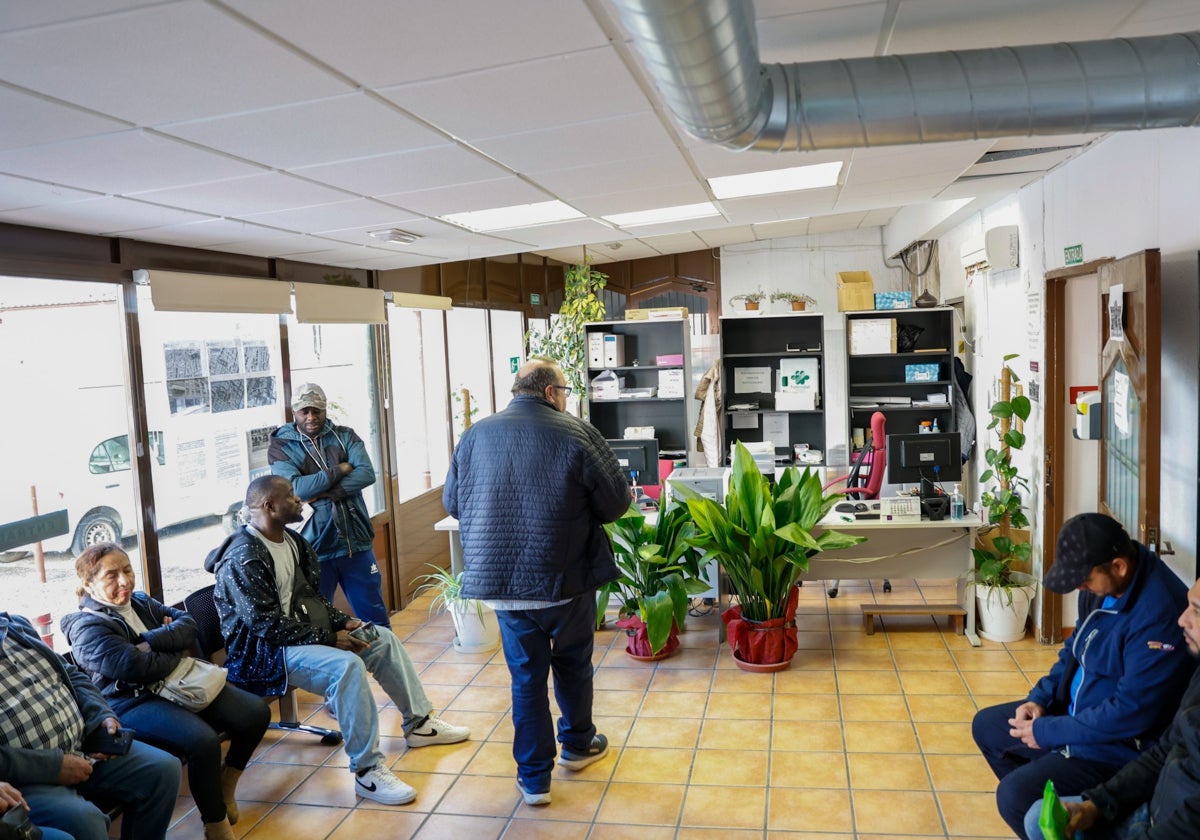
x=1117, y=681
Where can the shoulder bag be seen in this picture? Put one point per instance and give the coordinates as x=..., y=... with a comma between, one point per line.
x=193, y=684
x=17, y=825
x=307, y=606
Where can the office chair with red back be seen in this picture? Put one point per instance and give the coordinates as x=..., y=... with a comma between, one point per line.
x=872, y=457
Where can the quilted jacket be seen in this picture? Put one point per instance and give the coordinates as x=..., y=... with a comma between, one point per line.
x=252, y=621
x=104, y=646
x=532, y=488
x=340, y=524
x=1134, y=664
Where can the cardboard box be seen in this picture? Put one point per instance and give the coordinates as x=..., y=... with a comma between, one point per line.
x=660, y=313
x=670, y=383
x=893, y=300
x=670, y=359
x=595, y=349
x=921, y=372
x=607, y=386
x=614, y=350
x=856, y=290
x=872, y=335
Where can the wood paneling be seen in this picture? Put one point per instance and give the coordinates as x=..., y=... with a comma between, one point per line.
x=417, y=542
x=462, y=282
x=503, y=282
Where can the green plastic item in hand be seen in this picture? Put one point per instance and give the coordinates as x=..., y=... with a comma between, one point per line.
x=1053, y=818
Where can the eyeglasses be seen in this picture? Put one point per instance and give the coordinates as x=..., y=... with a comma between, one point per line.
x=566, y=389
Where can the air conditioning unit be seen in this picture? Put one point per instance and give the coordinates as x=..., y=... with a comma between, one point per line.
x=998, y=249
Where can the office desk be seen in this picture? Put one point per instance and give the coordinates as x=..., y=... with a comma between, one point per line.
x=905, y=550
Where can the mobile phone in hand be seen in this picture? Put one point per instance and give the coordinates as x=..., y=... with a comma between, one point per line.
x=102, y=741
x=365, y=632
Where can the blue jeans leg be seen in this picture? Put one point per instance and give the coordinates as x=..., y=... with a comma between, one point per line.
x=145, y=782
x=1135, y=825
x=362, y=582
x=536, y=642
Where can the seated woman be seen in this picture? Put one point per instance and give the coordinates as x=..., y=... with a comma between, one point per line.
x=127, y=641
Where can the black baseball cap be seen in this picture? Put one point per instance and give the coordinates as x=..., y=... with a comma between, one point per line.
x=1086, y=540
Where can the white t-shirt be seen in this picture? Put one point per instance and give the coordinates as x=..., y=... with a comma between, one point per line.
x=283, y=556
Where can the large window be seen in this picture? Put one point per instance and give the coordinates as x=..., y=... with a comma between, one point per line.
x=508, y=351
x=421, y=431
x=470, y=365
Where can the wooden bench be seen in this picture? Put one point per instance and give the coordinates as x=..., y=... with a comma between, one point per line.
x=958, y=615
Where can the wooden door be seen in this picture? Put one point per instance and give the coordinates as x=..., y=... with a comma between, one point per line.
x=1130, y=389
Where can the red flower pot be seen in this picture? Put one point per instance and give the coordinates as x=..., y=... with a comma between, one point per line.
x=638, y=646
x=763, y=643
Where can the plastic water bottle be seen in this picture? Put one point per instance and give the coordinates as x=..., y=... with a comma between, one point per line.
x=935, y=426
x=957, y=507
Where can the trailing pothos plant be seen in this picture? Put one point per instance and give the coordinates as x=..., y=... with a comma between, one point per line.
x=763, y=535
x=660, y=570
x=565, y=341
x=1002, y=498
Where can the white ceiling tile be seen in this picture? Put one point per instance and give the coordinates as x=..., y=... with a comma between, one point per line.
x=406, y=171
x=648, y=198
x=560, y=90
x=615, y=175
x=586, y=231
x=1023, y=163
x=263, y=193
x=209, y=233
x=21, y=192
x=384, y=42
x=26, y=14
x=338, y=128
x=463, y=198
x=927, y=25
x=107, y=216
x=334, y=216
x=836, y=222
x=977, y=187
x=204, y=63
x=123, y=163
x=675, y=243
x=777, y=230
x=30, y=120
x=717, y=237
x=582, y=144
x=714, y=161
x=767, y=208
x=848, y=30
x=570, y=255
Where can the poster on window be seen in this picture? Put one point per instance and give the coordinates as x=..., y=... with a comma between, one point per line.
x=1116, y=313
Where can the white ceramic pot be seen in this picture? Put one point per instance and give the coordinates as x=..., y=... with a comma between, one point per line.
x=1003, y=612
x=472, y=633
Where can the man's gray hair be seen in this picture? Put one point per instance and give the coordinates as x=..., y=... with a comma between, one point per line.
x=540, y=372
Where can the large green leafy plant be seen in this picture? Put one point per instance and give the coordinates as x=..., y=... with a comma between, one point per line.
x=565, y=341
x=763, y=535
x=1002, y=497
x=660, y=569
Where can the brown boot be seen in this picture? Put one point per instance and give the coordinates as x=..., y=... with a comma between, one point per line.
x=229, y=782
x=218, y=830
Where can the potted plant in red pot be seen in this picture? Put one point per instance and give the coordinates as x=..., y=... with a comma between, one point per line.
x=762, y=537
x=660, y=570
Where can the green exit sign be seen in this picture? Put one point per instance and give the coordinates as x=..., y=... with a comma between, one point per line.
x=1073, y=254
x=514, y=362
x=535, y=299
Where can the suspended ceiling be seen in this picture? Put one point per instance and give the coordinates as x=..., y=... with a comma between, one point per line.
x=292, y=128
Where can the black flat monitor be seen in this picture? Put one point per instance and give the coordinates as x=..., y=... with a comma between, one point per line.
x=640, y=455
x=925, y=459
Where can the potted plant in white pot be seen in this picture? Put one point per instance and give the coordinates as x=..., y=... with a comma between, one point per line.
x=660, y=571
x=476, y=629
x=1003, y=594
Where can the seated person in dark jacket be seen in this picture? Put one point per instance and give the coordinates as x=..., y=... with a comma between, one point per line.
x=127, y=641
x=49, y=714
x=1157, y=795
x=266, y=576
x=532, y=488
x=1117, y=681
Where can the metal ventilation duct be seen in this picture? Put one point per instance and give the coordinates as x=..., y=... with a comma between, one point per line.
x=703, y=55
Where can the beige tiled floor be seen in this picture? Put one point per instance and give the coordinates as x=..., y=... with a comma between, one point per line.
x=862, y=737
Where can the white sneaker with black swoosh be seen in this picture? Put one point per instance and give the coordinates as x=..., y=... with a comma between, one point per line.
x=434, y=730
x=380, y=784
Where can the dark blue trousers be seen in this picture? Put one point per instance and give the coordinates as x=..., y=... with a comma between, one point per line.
x=1023, y=771
x=537, y=643
x=359, y=576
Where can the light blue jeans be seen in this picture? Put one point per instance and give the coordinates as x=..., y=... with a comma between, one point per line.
x=341, y=676
x=1133, y=825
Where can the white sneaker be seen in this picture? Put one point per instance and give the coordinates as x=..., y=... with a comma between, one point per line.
x=434, y=730
x=380, y=784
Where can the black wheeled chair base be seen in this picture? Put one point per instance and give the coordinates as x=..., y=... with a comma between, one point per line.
x=329, y=737
x=832, y=592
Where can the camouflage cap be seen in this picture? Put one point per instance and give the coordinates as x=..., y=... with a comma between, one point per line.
x=308, y=395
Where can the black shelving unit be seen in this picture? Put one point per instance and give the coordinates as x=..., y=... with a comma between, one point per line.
x=764, y=342
x=883, y=375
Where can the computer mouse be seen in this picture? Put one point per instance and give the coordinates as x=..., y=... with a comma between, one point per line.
x=845, y=507
x=861, y=507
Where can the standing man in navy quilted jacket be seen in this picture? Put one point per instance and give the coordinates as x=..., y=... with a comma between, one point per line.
x=532, y=488
x=329, y=468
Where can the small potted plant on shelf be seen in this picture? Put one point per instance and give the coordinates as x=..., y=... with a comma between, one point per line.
x=798, y=300
x=1003, y=593
x=750, y=300
x=763, y=537
x=475, y=627
x=660, y=571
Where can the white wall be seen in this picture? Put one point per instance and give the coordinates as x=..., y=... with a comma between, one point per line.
x=1132, y=191
x=810, y=264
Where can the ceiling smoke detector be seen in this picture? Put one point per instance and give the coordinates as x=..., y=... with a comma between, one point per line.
x=393, y=235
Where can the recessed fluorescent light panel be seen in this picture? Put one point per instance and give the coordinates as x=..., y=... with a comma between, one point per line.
x=663, y=214
x=777, y=180
x=517, y=216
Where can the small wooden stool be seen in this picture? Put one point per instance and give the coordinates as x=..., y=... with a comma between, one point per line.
x=957, y=614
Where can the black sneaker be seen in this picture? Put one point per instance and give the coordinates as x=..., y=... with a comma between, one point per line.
x=574, y=760
x=532, y=797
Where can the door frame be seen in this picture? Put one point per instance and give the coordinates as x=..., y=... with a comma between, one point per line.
x=1054, y=433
